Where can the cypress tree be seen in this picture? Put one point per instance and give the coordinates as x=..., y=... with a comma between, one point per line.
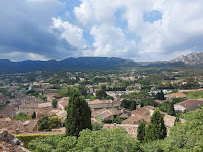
x=141, y=132
x=161, y=95
x=158, y=96
x=78, y=115
x=158, y=128
x=171, y=110
x=177, y=120
x=148, y=133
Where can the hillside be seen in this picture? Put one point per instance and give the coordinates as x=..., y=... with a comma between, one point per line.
x=69, y=63
x=191, y=59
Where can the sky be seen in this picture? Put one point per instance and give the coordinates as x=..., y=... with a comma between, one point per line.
x=142, y=30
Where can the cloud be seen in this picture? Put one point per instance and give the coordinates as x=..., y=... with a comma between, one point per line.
x=178, y=30
x=72, y=34
x=146, y=30
x=26, y=27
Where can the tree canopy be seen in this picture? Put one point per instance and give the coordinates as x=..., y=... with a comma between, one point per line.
x=78, y=115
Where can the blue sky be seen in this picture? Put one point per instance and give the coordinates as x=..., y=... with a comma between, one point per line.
x=144, y=30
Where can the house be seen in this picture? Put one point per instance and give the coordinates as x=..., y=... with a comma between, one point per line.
x=190, y=105
x=98, y=104
x=62, y=103
x=144, y=114
x=35, y=107
x=19, y=126
x=175, y=95
x=105, y=114
x=7, y=111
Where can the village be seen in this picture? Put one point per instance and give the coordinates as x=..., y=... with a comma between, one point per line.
x=116, y=99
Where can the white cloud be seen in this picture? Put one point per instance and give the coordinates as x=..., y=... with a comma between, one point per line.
x=21, y=56
x=179, y=31
x=72, y=33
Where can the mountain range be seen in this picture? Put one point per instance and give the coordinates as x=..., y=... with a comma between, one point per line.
x=84, y=63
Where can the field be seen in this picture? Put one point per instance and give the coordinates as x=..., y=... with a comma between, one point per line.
x=195, y=95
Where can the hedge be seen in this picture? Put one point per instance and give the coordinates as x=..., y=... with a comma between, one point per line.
x=27, y=138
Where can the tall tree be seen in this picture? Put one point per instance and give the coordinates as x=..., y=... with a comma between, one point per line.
x=158, y=96
x=141, y=132
x=162, y=95
x=78, y=115
x=133, y=105
x=156, y=130
x=34, y=115
x=171, y=110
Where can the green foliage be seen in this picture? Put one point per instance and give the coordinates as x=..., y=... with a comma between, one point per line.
x=101, y=94
x=34, y=115
x=27, y=138
x=54, y=103
x=117, y=120
x=195, y=95
x=160, y=95
x=114, y=140
x=97, y=126
x=133, y=105
x=65, y=92
x=156, y=129
x=141, y=132
x=83, y=90
x=174, y=91
x=48, y=122
x=78, y=115
x=22, y=116
x=103, y=87
x=171, y=110
x=187, y=137
x=129, y=104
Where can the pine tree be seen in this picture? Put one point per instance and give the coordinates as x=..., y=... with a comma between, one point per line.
x=171, y=110
x=78, y=115
x=156, y=130
x=141, y=132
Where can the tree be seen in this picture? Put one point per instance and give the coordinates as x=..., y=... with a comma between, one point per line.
x=171, y=110
x=141, y=131
x=48, y=122
x=78, y=115
x=97, y=126
x=54, y=103
x=161, y=95
x=103, y=87
x=101, y=94
x=177, y=120
x=158, y=96
x=133, y=105
x=34, y=115
x=156, y=130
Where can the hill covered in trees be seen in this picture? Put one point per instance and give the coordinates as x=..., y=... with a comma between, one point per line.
x=66, y=64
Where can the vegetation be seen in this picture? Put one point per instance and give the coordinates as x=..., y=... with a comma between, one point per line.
x=48, y=122
x=156, y=129
x=115, y=140
x=54, y=103
x=78, y=115
x=171, y=110
x=34, y=115
x=101, y=94
x=195, y=94
x=185, y=137
x=22, y=116
x=97, y=125
x=141, y=131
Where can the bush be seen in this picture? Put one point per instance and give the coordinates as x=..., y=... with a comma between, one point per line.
x=27, y=138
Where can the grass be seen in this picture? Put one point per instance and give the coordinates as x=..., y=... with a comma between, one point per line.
x=195, y=95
